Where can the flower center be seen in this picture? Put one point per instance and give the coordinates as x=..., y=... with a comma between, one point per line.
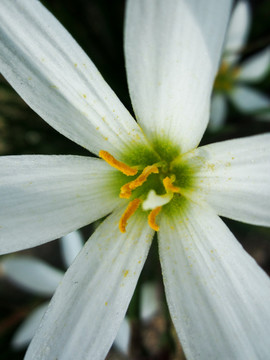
x=151, y=189
x=226, y=77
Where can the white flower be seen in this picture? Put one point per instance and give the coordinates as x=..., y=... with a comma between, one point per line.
x=217, y=295
x=234, y=78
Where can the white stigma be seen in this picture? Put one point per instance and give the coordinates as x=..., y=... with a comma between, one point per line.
x=153, y=200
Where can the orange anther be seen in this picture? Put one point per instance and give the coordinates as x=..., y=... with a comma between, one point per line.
x=125, y=169
x=130, y=210
x=126, y=189
x=169, y=187
x=152, y=218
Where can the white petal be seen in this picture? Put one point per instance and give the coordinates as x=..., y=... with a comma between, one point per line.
x=149, y=303
x=57, y=79
x=255, y=68
x=249, y=100
x=45, y=197
x=218, y=112
x=27, y=329
x=90, y=303
x=71, y=244
x=32, y=274
x=122, y=339
x=238, y=31
x=234, y=178
x=172, y=51
x=217, y=294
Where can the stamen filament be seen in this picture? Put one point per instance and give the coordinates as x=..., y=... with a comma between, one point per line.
x=119, y=165
x=169, y=187
x=126, y=189
x=152, y=218
x=130, y=210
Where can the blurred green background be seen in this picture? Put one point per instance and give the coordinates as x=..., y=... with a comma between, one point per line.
x=97, y=25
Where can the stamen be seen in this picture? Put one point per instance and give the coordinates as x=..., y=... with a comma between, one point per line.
x=125, y=169
x=169, y=187
x=130, y=210
x=152, y=218
x=126, y=189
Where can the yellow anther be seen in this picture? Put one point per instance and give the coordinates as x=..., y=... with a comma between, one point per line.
x=125, y=169
x=169, y=187
x=152, y=218
x=126, y=189
x=130, y=210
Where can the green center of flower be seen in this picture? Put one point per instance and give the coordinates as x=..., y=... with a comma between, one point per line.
x=151, y=187
x=226, y=77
